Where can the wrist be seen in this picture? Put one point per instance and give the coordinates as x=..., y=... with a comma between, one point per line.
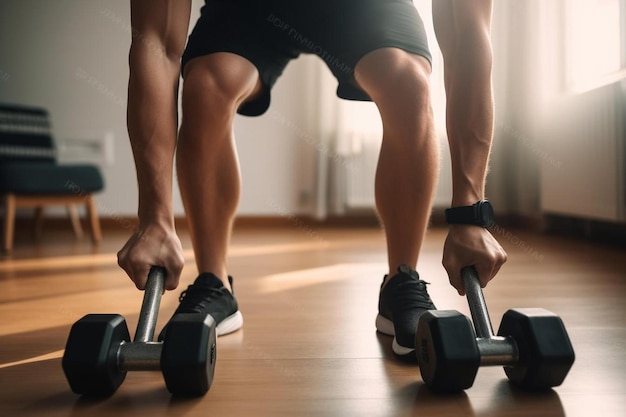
x=163, y=217
x=479, y=213
x=467, y=193
x=466, y=199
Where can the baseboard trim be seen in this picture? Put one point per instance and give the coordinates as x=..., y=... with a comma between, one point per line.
x=120, y=223
x=614, y=233
x=544, y=223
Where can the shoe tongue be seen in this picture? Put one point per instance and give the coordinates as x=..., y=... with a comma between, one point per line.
x=404, y=269
x=208, y=280
x=405, y=276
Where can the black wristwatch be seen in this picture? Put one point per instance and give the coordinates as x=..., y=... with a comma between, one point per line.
x=478, y=214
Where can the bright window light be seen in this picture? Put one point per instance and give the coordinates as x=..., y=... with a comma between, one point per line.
x=594, y=41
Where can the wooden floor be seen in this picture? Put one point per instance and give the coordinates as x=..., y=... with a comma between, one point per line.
x=309, y=346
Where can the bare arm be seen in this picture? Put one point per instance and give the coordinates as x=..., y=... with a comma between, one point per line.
x=463, y=32
x=159, y=31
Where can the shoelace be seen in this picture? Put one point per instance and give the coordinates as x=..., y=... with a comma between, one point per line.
x=410, y=293
x=194, y=298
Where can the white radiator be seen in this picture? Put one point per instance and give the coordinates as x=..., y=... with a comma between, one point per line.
x=583, y=166
x=360, y=170
x=89, y=148
x=354, y=179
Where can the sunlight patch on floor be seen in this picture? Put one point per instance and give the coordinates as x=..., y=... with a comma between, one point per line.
x=306, y=277
x=53, y=355
x=110, y=259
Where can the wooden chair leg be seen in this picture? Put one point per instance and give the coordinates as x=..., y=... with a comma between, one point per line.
x=73, y=212
x=9, y=221
x=94, y=221
x=38, y=222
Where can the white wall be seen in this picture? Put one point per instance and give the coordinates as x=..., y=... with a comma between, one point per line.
x=70, y=56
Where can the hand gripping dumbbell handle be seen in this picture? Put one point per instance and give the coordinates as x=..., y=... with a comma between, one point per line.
x=494, y=350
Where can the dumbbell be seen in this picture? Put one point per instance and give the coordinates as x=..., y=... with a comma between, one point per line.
x=99, y=353
x=532, y=345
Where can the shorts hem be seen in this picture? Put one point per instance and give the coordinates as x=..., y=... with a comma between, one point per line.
x=349, y=90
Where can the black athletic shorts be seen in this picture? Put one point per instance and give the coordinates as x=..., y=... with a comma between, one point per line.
x=270, y=33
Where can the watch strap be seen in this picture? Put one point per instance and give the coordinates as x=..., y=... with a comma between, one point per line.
x=478, y=214
x=462, y=215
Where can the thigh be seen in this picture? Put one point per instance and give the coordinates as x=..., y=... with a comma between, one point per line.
x=344, y=31
x=221, y=77
x=243, y=28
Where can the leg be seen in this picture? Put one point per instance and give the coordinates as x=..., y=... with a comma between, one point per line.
x=405, y=181
x=409, y=159
x=9, y=221
x=38, y=222
x=75, y=219
x=94, y=222
x=208, y=170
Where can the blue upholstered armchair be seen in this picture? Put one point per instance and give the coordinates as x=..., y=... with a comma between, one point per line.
x=31, y=177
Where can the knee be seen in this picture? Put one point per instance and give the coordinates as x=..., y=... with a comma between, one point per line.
x=214, y=86
x=395, y=76
x=208, y=92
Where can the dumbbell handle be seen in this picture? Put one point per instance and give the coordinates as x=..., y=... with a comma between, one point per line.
x=494, y=350
x=476, y=301
x=150, y=305
x=140, y=356
x=143, y=354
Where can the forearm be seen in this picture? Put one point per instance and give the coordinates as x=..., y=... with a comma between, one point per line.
x=463, y=34
x=158, y=38
x=152, y=126
x=469, y=117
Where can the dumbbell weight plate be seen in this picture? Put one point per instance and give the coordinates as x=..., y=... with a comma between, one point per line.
x=90, y=358
x=447, y=352
x=189, y=354
x=545, y=351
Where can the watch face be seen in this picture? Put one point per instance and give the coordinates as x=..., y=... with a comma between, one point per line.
x=486, y=213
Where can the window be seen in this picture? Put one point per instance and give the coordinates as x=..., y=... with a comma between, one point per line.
x=595, y=42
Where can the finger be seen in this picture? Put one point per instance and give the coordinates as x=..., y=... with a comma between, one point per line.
x=171, y=281
x=174, y=269
x=140, y=276
x=121, y=258
x=496, y=269
x=485, y=273
x=454, y=276
x=460, y=288
x=504, y=257
x=124, y=263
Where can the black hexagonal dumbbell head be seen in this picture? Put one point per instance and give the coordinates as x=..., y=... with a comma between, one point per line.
x=189, y=354
x=545, y=351
x=90, y=358
x=447, y=352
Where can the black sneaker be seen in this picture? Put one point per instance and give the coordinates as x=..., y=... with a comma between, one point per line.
x=207, y=295
x=400, y=305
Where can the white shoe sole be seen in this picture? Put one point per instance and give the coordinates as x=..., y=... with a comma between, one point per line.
x=385, y=326
x=230, y=324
